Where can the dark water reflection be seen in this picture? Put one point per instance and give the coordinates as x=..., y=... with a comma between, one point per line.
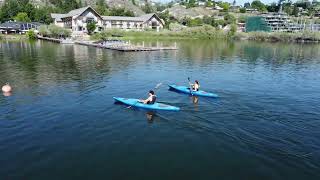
x=61, y=122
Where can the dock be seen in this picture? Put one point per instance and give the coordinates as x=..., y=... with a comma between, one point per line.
x=61, y=41
x=124, y=47
x=49, y=39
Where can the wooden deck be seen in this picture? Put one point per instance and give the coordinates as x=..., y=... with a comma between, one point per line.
x=126, y=47
x=49, y=39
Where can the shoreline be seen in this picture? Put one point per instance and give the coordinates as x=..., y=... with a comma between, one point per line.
x=13, y=37
x=210, y=33
x=272, y=37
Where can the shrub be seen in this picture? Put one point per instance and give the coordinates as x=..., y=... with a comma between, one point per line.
x=280, y=36
x=242, y=10
x=43, y=30
x=31, y=34
x=233, y=30
x=229, y=19
x=176, y=27
x=91, y=27
x=54, y=31
x=198, y=32
x=242, y=19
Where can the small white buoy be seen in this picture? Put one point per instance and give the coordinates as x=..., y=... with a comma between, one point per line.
x=6, y=88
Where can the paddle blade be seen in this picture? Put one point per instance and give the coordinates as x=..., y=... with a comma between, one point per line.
x=158, y=85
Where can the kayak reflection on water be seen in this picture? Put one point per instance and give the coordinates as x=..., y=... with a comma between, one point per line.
x=150, y=115
x=195, y=99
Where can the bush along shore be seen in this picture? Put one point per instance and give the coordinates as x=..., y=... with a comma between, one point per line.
x=209, y=32
x=299, y=37
x=200, y=32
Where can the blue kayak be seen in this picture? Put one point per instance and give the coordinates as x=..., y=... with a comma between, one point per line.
x=186, y=90
x=155, y=106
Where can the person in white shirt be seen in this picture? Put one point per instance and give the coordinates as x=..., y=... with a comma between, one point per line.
x=195, y=86
x=151, y=99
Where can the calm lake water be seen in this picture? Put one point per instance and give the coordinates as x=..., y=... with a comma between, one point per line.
x=61, y=121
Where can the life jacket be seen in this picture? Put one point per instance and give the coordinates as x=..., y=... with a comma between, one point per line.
x=154, y=98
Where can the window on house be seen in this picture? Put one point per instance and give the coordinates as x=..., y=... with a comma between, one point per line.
x=89, y=20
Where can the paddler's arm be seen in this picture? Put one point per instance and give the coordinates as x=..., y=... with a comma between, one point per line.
x=144, y=101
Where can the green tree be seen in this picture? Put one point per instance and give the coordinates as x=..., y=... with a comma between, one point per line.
x=120, y=12
x=273, y=7
x=195, y=22
x=288, y=9
x=209, y=20
x=209, y=3
x=91, y=27
x=23, y=17
x=166, y=18
x=233, y=30
x=191, y=3
x=229, y=19
x=225, y=6
x=43, y=30
x=65, y=5
x=9, y=10
x=242, y=10
x=31, y=34
x=242, y=19
x=257, y=4
x=160, y=7
x=295, y=11
x=102, y=7
x=247, y=5
x=58, y=32
x=147, y=7
x=42, y=15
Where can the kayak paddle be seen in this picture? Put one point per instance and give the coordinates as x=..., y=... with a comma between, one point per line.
x=190, y=86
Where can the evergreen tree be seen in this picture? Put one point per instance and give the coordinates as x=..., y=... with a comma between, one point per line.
x=247, y=5
x=295, y=11
x=101, y=7
x=9, y=10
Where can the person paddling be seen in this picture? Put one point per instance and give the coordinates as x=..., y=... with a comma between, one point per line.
x=151, y=99
x=195, y=86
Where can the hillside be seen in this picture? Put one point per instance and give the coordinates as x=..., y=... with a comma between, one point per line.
x=179, y=12
x=127, y=4
x=124, y=4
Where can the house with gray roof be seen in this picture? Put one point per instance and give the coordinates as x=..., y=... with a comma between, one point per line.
x=77, y=21
x=12, y=27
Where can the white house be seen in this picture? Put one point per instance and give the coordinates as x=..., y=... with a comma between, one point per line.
x=201, y=3
x=77, y=21
x=216, y=7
